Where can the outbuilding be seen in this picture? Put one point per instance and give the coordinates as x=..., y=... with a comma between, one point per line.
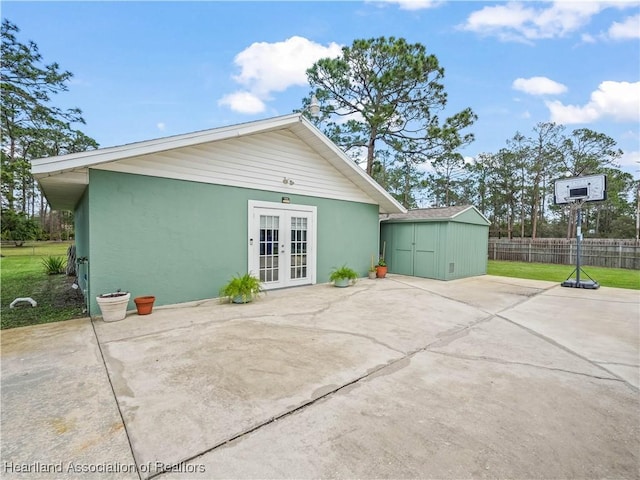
x=442, y=243
x=176, y=217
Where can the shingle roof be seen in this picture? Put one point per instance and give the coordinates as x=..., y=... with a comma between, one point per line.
x=439, y=213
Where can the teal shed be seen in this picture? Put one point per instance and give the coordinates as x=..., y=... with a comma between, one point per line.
x=442, y=243
x=176, y=217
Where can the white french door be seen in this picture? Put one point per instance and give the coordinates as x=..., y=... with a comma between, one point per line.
x=282, y=244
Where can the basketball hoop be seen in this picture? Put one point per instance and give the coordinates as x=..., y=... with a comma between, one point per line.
x=590, y=188
x=577, y=191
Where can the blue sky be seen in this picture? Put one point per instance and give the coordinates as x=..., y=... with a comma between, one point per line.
x=144, y=70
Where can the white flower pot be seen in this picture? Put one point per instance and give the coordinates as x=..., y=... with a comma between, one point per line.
x=113, y=308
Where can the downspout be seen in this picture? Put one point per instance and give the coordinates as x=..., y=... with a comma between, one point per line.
x=380, y=219
x=85, y=288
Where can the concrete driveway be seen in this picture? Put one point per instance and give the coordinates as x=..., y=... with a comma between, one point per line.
x=486, y=377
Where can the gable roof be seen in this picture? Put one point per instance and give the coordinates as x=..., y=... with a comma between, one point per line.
x=433, y=214
x=63, y=179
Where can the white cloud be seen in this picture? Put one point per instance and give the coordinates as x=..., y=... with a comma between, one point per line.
x=525, y=22
x=538, y=86
x=618, y=101
x=161, y=126
x=631, y=135
x=630, y=159
x=243, y=102
x=414, y=4
x=628, y=29
x=274, y=67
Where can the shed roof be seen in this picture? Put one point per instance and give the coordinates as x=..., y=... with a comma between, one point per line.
x=435, y=214
x=64, y=178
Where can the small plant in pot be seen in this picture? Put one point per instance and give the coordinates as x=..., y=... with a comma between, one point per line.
x=381, y=268
x=343, y=276
x=113, y=306
x=241, y=289
x=372, y=270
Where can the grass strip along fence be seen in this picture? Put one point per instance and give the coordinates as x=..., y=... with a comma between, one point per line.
x=596, y=252
x=606, y=277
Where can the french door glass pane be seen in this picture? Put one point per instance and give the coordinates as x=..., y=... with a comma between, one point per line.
x=298, y=247
x=269, y=238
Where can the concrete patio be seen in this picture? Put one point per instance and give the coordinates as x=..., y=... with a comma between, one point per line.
x=485, y=377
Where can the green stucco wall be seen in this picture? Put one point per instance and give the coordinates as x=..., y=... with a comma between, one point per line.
x=181, y=241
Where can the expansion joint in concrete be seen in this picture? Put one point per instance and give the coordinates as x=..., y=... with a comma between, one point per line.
x=370, y=374
x=115, y=397
x=524, y=364
x=281, y=416
x=572, y=352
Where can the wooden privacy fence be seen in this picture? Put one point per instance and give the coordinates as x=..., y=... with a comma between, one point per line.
x=596, y=252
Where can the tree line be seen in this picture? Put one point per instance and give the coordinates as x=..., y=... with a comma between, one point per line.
x=32, y=127
x=382, y=102
x=514, y=187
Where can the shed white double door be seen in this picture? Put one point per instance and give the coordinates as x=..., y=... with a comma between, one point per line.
x=282, y=244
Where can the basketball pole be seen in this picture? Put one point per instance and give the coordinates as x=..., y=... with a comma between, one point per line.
x=577, y=283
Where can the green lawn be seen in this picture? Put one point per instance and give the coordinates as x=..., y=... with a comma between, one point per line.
x=606, y=277
x=22, y=275
x=36, y=249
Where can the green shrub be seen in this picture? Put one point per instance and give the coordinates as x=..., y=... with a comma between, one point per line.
x=343, y=272
x=241, y=288
x=54, y=265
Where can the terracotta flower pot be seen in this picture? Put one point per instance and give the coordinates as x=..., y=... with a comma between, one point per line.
x=381, y=272
x=144, y=304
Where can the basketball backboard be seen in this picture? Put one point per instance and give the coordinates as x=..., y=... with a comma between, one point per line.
x=590, y=188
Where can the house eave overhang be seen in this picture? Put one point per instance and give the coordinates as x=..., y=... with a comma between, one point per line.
x=64, y=178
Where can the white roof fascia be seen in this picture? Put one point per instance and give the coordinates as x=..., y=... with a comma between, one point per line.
x=351, y=165
x=54, y=165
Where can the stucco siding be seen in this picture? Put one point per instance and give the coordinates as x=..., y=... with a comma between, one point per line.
x=181, y=241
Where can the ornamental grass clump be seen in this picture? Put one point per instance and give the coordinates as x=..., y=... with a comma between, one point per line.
x=54, y=265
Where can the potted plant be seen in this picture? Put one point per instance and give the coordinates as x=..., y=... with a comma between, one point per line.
x=144, y=304
x=241, y=289
x=342, y=277
x=372, y=270
x=113, y=305
x=381, y=268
